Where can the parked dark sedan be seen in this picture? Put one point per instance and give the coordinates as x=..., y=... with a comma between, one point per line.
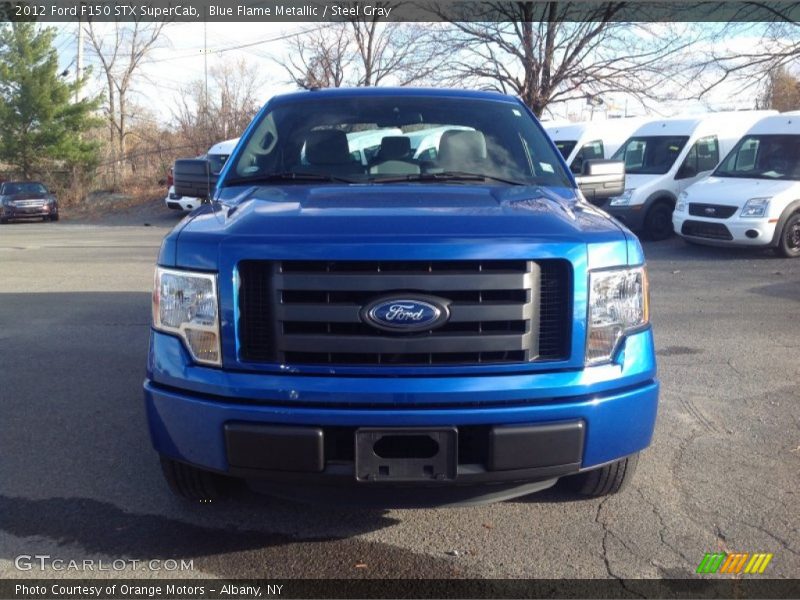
x=26, y=200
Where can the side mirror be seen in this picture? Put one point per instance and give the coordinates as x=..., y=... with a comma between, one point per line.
x=686, y=171
x=193, y=178
x=601, y=180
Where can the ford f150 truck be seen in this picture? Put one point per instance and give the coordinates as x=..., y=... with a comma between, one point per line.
x=456, y=325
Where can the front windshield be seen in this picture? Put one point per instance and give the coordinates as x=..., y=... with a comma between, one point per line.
x=9, y=189
x=763, y=157
x=650, y=155
x=565, y=147
x=369, y=139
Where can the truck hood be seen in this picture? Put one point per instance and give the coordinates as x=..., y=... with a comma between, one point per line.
x=734, y=191
x=394, y=213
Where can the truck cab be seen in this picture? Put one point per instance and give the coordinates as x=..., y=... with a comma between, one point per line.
x=417, y=330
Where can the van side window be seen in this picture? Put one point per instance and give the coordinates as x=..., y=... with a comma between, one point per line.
x=703, y=156
x=707, y=153
x=591, y=151
x=746, y=157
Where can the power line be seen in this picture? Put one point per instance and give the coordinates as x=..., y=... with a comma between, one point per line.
x=279, y=38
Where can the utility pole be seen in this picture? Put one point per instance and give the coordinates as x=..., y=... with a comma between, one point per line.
x=205, y=72
x=79, y=62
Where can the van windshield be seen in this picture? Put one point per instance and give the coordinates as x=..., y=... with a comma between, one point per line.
x=376, y=139
x=650, y=155
x=565, y=147
x=763, y=157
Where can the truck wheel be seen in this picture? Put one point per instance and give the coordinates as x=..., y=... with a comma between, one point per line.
x=606, y=480
x=789, y=242
x=191, y=483
x=658, y=222
x=54, y=217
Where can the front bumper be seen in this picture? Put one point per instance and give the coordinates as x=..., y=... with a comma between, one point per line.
x=632, y=216
x=734, y=228
x=190, y=407
x=184, y=203
x=12, y=212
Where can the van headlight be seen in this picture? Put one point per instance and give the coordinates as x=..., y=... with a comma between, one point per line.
x=619, y=303
x=623, y=199
x=185, y=304
x=680, y=206
x=755, y=207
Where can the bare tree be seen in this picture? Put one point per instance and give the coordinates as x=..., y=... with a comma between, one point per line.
x=749, y=54
x=551, y=52
x=319, y=58
x=233, y=100
x=366, y=51
x=121, y=49
x=400, y=53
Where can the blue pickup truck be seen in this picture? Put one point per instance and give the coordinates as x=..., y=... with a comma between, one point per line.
x=447, y=324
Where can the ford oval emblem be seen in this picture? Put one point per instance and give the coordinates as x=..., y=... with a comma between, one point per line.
x=406, y=313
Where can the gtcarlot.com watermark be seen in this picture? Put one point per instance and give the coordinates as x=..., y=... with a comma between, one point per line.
x=45, y=562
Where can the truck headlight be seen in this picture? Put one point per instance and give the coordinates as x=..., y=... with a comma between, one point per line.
x=755, y=207
x=185, y=304
x=624, y=199
x=619, y=302
x=680, y=206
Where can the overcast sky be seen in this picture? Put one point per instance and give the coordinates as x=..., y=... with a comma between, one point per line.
x=180, y=60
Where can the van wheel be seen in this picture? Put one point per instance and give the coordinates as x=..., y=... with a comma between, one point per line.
x=658, y=222
x=604, y=481
x=190, y=482
x=789, y=243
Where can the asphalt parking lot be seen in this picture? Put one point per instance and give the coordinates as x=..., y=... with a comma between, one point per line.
x=79, y=480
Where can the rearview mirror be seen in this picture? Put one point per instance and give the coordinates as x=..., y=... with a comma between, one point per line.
x=193, y=178
x=601, y=180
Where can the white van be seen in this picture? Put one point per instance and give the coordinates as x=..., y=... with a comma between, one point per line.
x=579, y=142
x=217, y=155
x=753, y=196
x=666, y=156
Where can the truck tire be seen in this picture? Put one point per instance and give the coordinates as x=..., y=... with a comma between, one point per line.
x=606, y=480
x=789, y=242
x=190, y=482
x=658, y=222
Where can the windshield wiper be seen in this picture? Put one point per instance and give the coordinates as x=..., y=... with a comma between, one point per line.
x=288, y=176
x=750, y=175
x=444, y=176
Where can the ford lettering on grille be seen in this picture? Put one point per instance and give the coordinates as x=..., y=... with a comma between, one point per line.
x=406, y=313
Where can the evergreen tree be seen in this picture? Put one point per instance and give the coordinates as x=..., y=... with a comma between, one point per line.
x=39, y=122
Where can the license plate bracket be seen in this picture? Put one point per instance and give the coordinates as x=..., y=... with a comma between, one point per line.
x=406, y=454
